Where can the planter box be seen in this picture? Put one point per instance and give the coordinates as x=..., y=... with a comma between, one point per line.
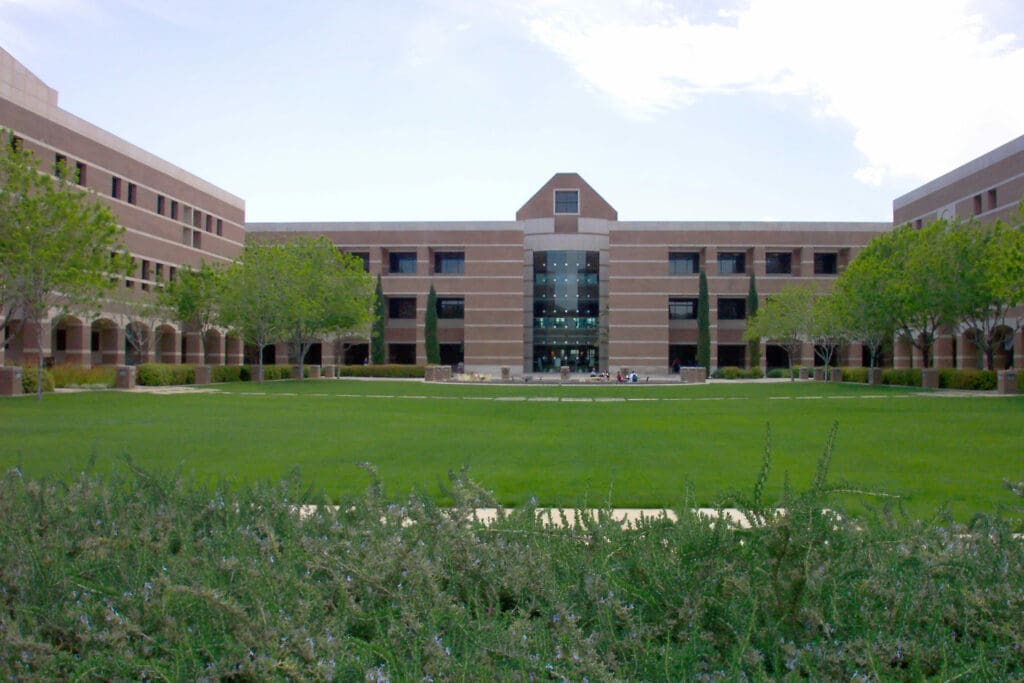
x=314, y=372
x=10, y=382
x=874, y=376
x=506, y=374
x=296, y=372
x=930, y=378
x=202, y=374
x=835, y=375
x=804, y=373
x=125, y=378
x=1006, y=382
x=819, y=374
x=329, y=372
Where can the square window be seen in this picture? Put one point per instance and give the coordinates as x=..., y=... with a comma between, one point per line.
x=732, y=309
x=449, y=262
x=732, y=263
x=402, y=262
x=567, y=201
x=402, y=307
x=197, y=240
x=778, y=263
x=451, y=307
x=825, y=264
x=683, y=263
x=682, y=309
x=60, y=165
x=159, y=272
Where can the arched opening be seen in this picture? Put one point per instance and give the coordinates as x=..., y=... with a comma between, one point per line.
x=213, y=344
x=137, y=342
x=69, y=342
x=972, y=355
x=166, y=344
x=104, y=345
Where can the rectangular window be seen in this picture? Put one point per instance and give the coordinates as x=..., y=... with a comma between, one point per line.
x=209, y=223
x=918, y=224
x=682, y=309
x=60, y=165
x=160, y=204
x=567, y=201
x=186, y=214
x=172, y=273
x=992, y=199
x=825, y=264
x=174, y=210
x=186, y=237
x=449, y=262
x=402, y=307
x=197, y=239
x=197, y=218
x=977, y=204
x=132, y=192
x=159, y=272
x=115, y=187
x=402, y=262
x=683, y=263
x=80, y=173
x=732, y=309
x=451, y=307
x=60, y=339
x=17, y=144
x=145, y=269
x=363, y=256
x=778, y=263
x=732, y=263
x=220, y=226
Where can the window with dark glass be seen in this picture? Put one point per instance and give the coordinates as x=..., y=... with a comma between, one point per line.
x=567, y=201
x=80, y=173
x=732, y=263
x=402, y=262
x=682, y=309
x=220, y=226
x=174, y=210
x=732, y=309
x=449, y=262
x=825, y=264
x=132, y=192
x=402, y=307
x=60, y=165
x=209, y=223
x=363, y=256
x=115, y=187
x=451, y=307
x=778, y=263
x=683, y=263
x=160, y=204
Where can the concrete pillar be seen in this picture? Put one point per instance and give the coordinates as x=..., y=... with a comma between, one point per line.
x=10, y=381
x=1006, y=382
x=202, y=375
x=125, y=378
x=930, y=378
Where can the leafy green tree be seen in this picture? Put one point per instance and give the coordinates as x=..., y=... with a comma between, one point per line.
x=60, y=248
x=193, y=298
x=430, y=329
x=251, y=302
x=377, y=350
x=703, y=324
x=866, y=316
x=753, y=345
x=828, y=329
x=786, y=318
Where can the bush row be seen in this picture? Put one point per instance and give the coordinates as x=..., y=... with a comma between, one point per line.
x=388, y=371
x=72, y=375
x=732, y=372
x=166, y=374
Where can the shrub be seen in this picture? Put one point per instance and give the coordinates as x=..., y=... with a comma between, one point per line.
x=29, y=375
x=906, y=377
x=71, y=375
x=732, y=372
x=781, y=373
x=970, y=379
x=164, y=374
x=855, y=375
x=226, y=373
x=389, y=371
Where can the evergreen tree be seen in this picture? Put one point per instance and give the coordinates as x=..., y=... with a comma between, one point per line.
x=430, y=329
x=377, y=354
x=703, y=325
x=754, y=345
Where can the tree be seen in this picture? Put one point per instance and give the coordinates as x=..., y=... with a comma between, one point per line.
x=251, y=300
x=754, y=345
x=377, y=350
x=703, y=324
x=430, y=329
x=866, y=316
x=192, y=298
x=60, y=248
x=141, y=319
x=827, y=329
x=785, y=318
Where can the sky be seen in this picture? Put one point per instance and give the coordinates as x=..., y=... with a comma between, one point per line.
x=353, y=110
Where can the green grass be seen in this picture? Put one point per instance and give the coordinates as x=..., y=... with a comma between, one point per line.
x=932, y=451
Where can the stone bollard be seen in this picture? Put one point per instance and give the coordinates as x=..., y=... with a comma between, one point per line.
x=328, y=372
x=203, y=374
x=10, y=382
x=804, y=373
x=930, y=378
x=1007, y=382
x=819, y=374
x=506, y=374
x=836, y=375
x=297, y=371
x=874, y=376
x=563, y=373
x=125, y=377
x=314, y=372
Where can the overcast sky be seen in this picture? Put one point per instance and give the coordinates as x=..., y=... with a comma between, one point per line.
x=462, y=109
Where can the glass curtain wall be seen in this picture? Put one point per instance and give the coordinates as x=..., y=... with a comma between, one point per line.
x=566, y=310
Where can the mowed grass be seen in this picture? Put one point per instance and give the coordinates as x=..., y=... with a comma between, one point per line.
x=641, y=445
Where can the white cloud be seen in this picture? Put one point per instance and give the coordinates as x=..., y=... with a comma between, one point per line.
x=925, y=84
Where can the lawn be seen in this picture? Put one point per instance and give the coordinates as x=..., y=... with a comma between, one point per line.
x=638, y=445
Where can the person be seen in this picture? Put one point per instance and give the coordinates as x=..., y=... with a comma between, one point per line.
x=618, y=376
x=633, y=378
x=676, y=365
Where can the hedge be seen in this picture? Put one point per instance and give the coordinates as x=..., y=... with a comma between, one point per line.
x=733, y=372
x=906, y=377
x=978, y=380
x=164, y=374
x=28, y=379
x=388, y=371
x=855, y=375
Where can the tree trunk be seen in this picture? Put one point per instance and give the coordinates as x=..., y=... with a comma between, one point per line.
x=39, y=358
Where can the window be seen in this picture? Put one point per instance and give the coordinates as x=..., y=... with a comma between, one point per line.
x=197, y=218
x=449, y=262
x=402, y=307
x=160, y=204
x=60, y=165
x=186, y=214
x=363, y=256
x=682, y=309
x=174, y=210
x=17, y=144
x=778, y=263
x=451, y=307
x=220, y=226
x=977, y=204
x=145, y=269
x=209, y=223
x=567, y=201
x=402, y=262
x=732, y=263
x=186, y=237
x=825, y=264
x=197, y=239
x=918, y=224
x=115, y=187
x=732, y=309
x=159, y=272
x=132, y=192
x=683, y=263
x=992, y=199
x=80, y=173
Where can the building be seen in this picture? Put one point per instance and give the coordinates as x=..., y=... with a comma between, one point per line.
x=568, y=283
x=988, y=188
x=172, y=219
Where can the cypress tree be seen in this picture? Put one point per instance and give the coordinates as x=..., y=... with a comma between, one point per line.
x=754, y=345
x=377, y=354
x=430, y=329
x=703, y=325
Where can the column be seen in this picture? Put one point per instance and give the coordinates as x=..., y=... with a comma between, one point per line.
x=234, y=350
x=35, y=343
x=78, y=350
x=902, y=354
x=193, y=349
x=942, y=350
x=214, y=349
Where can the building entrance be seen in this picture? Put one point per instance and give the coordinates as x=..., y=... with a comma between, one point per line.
x=565, y=310
x=553, y=358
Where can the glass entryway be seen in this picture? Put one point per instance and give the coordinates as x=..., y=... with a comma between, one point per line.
x=566, y=310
